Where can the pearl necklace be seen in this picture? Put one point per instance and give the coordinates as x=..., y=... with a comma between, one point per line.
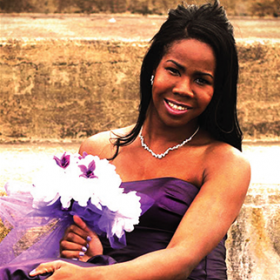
x=169, y=149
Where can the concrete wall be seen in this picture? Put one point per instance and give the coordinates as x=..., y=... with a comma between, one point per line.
x=234, y=7
x=67, y=89
x=70, y=89
x=253, y=245
x=259, y=89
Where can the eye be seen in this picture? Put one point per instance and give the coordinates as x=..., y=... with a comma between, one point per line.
x=173, y=71
x=202, y=81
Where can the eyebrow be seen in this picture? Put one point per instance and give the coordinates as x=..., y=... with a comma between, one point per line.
x=183, y=68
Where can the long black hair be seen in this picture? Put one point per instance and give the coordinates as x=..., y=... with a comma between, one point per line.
x=209, y=24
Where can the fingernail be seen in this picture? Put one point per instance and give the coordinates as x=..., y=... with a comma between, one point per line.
x=81, y=254
x=88, y=238
x=84, y=249
x=32, y=272
x=75, y=259
x=87, y=245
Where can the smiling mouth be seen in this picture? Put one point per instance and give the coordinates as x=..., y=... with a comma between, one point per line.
x=177, y=107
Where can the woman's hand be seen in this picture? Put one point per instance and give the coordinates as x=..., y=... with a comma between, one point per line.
x=60, y=269
x=79, y=242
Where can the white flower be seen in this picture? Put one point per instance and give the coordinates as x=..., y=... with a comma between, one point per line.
x=105, y=182
x=88, y=179
x=57, y=181
x=128, y=213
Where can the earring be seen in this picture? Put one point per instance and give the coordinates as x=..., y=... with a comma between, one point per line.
x=152, y=79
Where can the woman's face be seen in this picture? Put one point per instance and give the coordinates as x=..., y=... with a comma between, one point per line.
x=183, y=83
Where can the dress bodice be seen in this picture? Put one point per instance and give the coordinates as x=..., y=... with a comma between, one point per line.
x=172, y=198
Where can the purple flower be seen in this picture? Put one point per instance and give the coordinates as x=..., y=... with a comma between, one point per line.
x=88, y=172
x=83, y=156
x=64, y=161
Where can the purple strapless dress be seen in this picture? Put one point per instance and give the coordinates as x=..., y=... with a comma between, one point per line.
x=172, y=199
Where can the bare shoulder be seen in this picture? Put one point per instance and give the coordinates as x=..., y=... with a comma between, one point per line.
x=96, y=144
x=224, y=160
x=101, y=144
x=220, y=151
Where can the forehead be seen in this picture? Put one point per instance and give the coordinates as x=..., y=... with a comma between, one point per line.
x=191, y=51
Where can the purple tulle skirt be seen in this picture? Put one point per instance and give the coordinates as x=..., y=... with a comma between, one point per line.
x=33, y=230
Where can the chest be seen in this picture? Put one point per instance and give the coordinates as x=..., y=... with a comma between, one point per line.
x=186, y=164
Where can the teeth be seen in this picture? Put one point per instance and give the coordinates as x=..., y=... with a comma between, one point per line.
x=176, y=107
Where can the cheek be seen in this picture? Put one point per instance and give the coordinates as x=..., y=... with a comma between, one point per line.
x=161, y=84
x=208, y=99
x=155, y=94
x=210, y=94
x=157, y=88
x=158, y=84
x=205, y=100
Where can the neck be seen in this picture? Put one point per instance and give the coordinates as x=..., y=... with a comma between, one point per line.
x=172, y=148
x=157, y=133
x=159, y=142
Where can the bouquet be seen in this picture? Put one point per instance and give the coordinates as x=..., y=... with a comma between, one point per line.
x=70, y=184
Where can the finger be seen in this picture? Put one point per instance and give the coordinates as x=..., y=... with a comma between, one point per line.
x=73, y=245
x=80, y=223
x=72, y=250
x=75, y=255
x=80, y=228
x=84, y=258
x=76, y=229
x=66, y=245
x=45, y=268
x=76, y=237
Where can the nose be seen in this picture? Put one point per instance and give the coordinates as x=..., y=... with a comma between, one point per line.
x=183, y=87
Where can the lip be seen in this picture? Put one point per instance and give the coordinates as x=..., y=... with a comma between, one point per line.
x=175, y=111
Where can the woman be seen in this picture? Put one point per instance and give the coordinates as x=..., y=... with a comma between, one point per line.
x=184, y=152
